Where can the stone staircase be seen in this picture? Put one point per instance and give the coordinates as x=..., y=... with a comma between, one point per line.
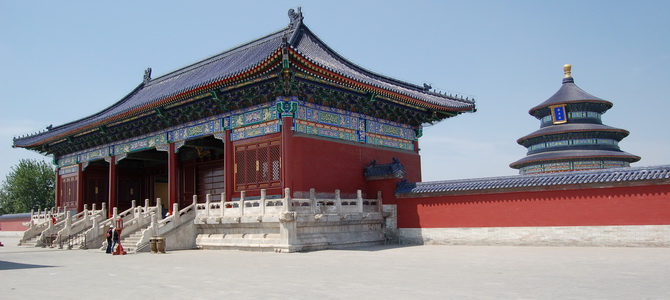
x=31, y=242
x=129, y=242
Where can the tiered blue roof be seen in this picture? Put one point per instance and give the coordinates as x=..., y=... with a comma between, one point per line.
x=571, y=135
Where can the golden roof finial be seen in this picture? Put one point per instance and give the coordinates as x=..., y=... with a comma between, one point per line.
x=567, y=70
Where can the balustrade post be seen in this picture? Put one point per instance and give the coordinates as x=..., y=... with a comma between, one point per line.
x=379, y=200
x=68, y=224
x=208, y=199
x=154, y=225
x=242, y=194
x=359, y=200
x=223, y=204
x=263, y=194
x=133, y=208
x=159, y=209
x=175, y=213
x=95, y=228
x=115, y=214
x=195, y=200
x=312, y=200
x=86, y=219
x=287, y=200
x=338, y=202
x=103, y=209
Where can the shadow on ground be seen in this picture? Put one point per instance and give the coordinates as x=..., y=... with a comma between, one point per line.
x=8, y=265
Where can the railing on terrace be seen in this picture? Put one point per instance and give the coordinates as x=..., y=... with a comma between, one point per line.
x=42, y=224
x=272, y=206
x=75, y=226
x=46, y=216
x=168, y=224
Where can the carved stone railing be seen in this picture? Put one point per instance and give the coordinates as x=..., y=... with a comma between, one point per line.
x=74, y=227
x=275, y=206
x=41, y=221
x=336, y=205
x=167, y=225
x=46, y=216
x=47, y=232
x=133, y=218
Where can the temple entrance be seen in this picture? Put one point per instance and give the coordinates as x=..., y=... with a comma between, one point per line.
x=161, y=191
x=137, y=175
x=202, y=170
x=96, y=184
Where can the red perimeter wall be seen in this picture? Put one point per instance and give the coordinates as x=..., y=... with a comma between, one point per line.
x=326, y=166
x=638, y=205
x=14, y=224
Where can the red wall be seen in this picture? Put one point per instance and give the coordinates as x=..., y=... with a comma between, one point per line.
x=639, y=205
x=328, y=165
x=13, y=224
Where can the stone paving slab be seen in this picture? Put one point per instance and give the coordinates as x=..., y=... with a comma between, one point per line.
x=390, y=272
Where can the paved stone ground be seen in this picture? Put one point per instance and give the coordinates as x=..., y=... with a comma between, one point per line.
x=390, y=272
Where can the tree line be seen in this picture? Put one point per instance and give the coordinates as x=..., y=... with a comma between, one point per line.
x=29, y=186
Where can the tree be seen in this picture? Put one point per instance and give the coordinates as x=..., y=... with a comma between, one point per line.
x=30, y=185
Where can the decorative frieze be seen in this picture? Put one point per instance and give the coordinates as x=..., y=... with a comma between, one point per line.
x=68, y=170
x=349, y=126
x=326, y=130
x=255, y=130
x=141, y=144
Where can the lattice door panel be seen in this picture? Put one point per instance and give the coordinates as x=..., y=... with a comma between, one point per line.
x=257, y=165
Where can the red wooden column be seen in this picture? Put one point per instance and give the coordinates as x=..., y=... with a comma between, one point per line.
x=58, y=197
x=228, y=167
x=80, y=188
x=287, y=152
x=173, y=172
x=112, y=185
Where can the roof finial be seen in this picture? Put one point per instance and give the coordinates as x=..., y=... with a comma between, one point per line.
x=567, y=69
x=294, y=17
x=147, y=75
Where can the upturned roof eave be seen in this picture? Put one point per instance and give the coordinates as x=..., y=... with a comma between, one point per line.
x=569, y=156
x=468, y=106
x=543, y=132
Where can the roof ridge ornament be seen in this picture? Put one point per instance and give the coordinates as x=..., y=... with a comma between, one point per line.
x=294, y=17
x=147, y=75
x=567, y=71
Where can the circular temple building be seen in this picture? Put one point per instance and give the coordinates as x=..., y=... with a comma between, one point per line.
x=571, y=135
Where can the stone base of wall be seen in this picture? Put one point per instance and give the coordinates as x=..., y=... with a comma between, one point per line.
x=594, y=236
x=302, y=232
x=339, y=231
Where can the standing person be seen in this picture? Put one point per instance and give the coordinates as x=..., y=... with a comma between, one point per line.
x=109, y=239
x=115, y=239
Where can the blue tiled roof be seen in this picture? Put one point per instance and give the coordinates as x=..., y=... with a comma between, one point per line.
x=380, y=171
x=224, y=65
x=319, y=53
x=580, y=154
x=569, y=92
x=237, y=61
x=491, y=184
x=575, y=127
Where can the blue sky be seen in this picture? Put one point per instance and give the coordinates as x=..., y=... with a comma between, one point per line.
x=64, y=60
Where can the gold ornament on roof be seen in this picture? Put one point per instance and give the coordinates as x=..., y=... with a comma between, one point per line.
x=567, y=69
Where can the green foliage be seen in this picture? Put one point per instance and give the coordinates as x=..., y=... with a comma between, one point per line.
x=30, y=185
